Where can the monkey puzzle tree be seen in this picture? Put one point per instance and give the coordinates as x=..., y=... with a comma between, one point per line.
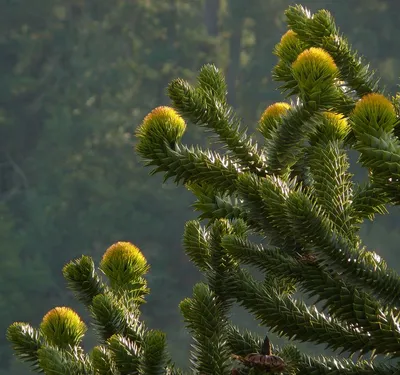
x=288, y=208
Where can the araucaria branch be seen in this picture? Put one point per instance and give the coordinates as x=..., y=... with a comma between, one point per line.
x=288, y=207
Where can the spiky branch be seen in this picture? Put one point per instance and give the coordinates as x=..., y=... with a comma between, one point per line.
x=294, y=195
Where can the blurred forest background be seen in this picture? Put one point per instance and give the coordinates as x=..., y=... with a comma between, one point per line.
x=77, y=77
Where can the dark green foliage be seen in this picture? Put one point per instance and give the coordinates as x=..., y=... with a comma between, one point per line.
x=210, y=353
x=26, y=342
x=306, y=214
x=127, y=346
x=83, y=280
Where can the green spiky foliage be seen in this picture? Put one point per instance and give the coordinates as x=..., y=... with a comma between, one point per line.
x=126, y=345
x=295, y=198
x=288, y=207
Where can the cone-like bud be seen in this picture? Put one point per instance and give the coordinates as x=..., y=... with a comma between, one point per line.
x=376, y=111
x=162, y=124
x=331, y=126
x=62, y=326
x=315, y=72
x=123, y=263
x=271, y=118
x=314, y=62
x=287, y=50
x=289, y=47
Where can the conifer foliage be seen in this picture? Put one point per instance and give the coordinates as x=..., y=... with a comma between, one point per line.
x=294, y=193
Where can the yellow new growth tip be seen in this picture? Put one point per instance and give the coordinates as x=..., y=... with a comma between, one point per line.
x=374, y=110
x=337, y=120
x=123, y=251
x=63, y=326
x=163, y=125
x=288, y=38
x=166, y=113
x=270, y=118
x=289, y=47
x=163, y=115
x=335, y=123
x=275, y=110
x=315, y=58
x=123, y=262
x=373, y=104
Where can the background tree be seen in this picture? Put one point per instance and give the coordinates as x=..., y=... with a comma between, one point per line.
x=91, y=64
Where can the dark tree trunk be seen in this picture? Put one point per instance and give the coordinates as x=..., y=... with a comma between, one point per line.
x=211, y=10
x=171, y=23
x=237, y=15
